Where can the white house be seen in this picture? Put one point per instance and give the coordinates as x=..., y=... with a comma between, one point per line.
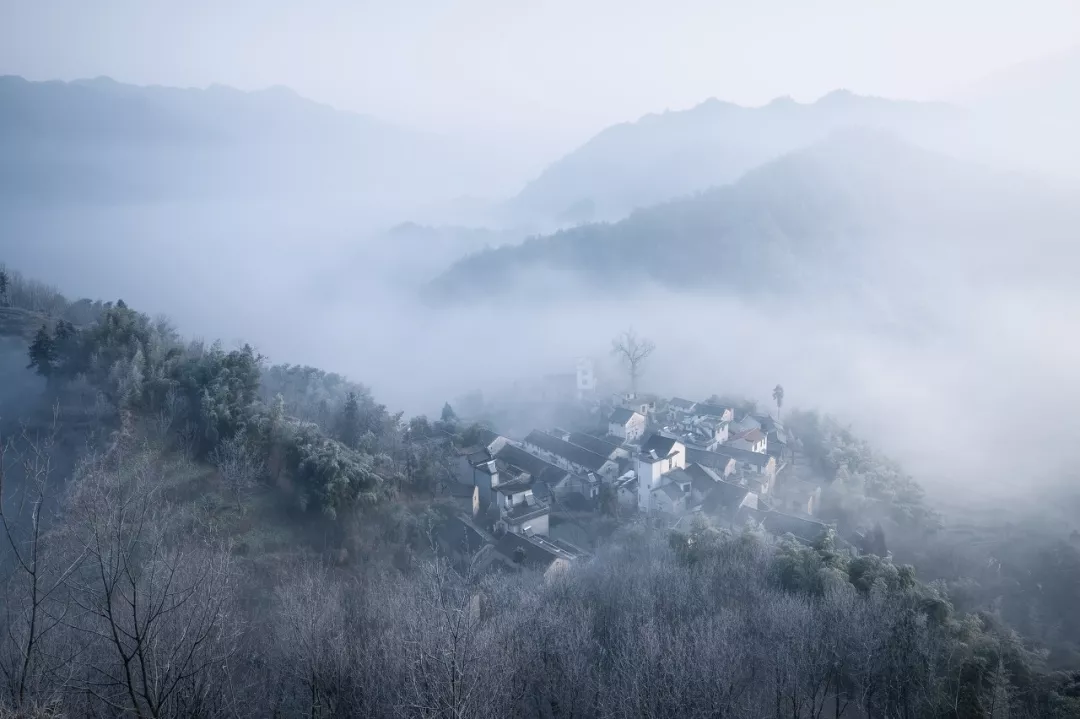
x=626, y=424
x=658, y=456
x=751, y=440
x=519, y=511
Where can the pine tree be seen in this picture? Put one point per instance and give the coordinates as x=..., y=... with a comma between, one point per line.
x=43, y=353
x=3, y=288
x=448, y=414
x=349, y=421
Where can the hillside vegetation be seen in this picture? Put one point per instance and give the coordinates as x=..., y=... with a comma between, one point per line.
x=250, y=540
x=853, y=210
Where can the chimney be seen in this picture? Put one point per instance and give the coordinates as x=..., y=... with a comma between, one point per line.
x=652, y=453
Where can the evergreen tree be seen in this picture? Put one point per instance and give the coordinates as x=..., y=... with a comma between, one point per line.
x=43, y=353
x=349, y=421
x=448, y=414
x=3, y=288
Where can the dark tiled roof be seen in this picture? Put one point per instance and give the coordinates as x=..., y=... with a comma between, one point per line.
x=758, y=459
x=778, y=523
x=673, y=491
x=724, y=498
x=538, y=468
x=457, y=535
x=535, y=554
x=702, y=479
x=621, y=415
x=571, y=452
x=710, y=410
x=680, y=403
x=593, y=444
x=663, y=446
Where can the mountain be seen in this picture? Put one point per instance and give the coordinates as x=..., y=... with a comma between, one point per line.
x=860, y=207
x=101, y=140
x=663, y=156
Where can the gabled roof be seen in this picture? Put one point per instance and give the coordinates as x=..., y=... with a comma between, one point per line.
x=570, y=452
x=758, y=459
x=724, y=498
x=711, y=410
x=457, y=535
x=621, y=415
x=593, y=444
x=750, y=435
x=672, y=490
x=535, y=552
x=702, y=479
x=682, y=404
x=807, y=530
x=538, y=468
x=663, y=446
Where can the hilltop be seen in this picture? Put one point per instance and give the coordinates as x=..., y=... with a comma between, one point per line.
x=664, y=156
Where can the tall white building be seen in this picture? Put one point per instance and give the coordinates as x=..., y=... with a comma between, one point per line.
x=586, y=378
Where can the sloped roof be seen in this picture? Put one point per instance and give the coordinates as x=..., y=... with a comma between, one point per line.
x=457, y=535
x=758, y=459
x=751, y=435
x=535, y=553
x=672, y=491
x=621, y=415
x=571, y=452
x=724, y=498
x=663, y=446
x=711, y=410
x=807, y=530
x=680, y=403
x=593, y=444
x=538, y=468
x=702, y=479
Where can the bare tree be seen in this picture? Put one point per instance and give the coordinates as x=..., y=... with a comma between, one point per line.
x=155, y=597
x=239, y=466
x=632, y=351
x=31, y=662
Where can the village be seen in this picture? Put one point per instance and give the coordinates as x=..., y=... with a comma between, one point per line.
x=531, y=502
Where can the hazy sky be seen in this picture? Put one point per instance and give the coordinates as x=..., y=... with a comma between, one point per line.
x=561, y=69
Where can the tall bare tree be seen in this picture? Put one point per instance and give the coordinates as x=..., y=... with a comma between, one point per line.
x=632, y=351
x=32, y=664
x=154, y=596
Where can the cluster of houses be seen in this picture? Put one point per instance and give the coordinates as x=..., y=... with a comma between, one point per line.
x=657, y=460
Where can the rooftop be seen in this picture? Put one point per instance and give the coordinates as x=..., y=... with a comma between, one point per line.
x=570, y=452
x=621, y=415
x=702, y=479
x=663, y=446
x=807, y=530
x=711, y=410
x=457, y=535
x=724, y=498
x=593, y=444
x=758, y=459
x=535, y=553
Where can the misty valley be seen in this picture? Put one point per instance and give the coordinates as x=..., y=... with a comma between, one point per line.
x=725, y=412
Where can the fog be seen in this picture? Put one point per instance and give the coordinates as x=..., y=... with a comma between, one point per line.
x=942, y=365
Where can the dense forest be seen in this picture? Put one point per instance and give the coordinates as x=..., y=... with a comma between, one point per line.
x=234, y=538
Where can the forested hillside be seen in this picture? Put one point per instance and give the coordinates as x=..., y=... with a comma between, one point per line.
x=239, y=539
x=668, y=155
x=856, y=209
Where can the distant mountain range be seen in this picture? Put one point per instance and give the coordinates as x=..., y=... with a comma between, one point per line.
x=664, y=156
x=101, y=140
x=858, y=207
